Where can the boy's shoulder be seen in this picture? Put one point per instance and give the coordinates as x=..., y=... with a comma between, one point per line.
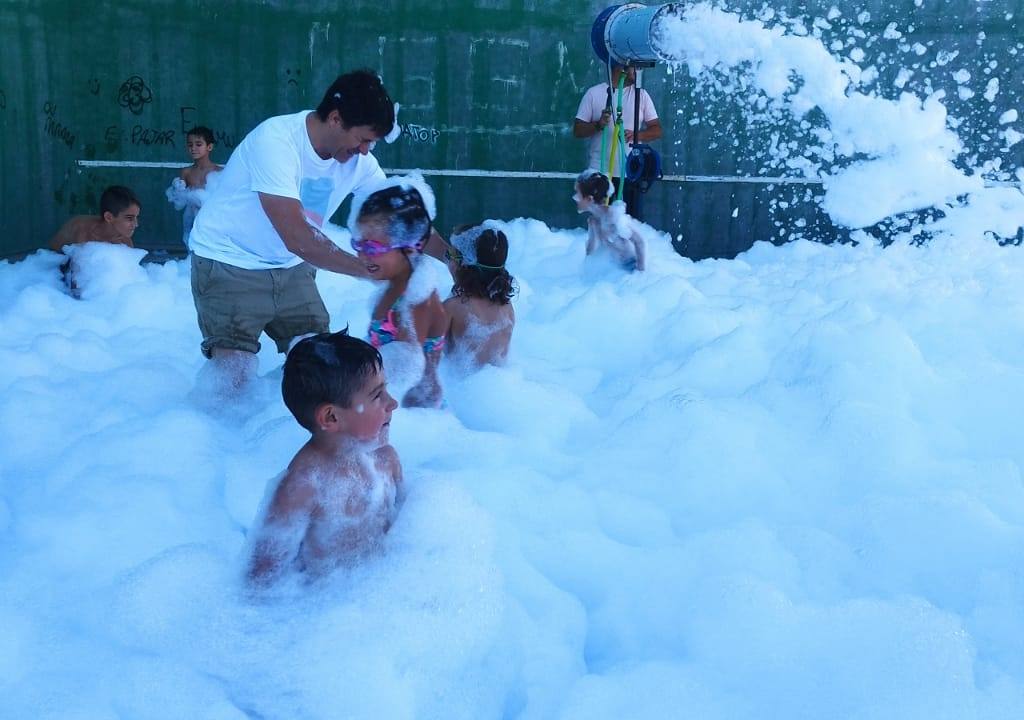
x=308, y=473
x=311, y=470
x=297, y=484
x=84, y=221
x=77, y=229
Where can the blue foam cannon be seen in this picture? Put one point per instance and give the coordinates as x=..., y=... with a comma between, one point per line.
x=627, y=35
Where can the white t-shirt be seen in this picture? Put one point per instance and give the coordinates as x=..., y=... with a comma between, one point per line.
x=593, y=104
x=277, y=158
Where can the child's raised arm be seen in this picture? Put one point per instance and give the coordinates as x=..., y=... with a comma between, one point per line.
x=279, y=534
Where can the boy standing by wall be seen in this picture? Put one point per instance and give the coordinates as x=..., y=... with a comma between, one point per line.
x=188, y=191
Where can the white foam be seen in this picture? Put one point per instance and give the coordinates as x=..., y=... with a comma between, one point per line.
x=903, y=145
x=785, y=485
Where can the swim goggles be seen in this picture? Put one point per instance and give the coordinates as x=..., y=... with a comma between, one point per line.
x=370, y=248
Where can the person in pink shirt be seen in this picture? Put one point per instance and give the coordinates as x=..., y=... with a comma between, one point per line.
x=596, y=112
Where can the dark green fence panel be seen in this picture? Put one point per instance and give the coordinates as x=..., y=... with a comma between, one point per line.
x=88, y=91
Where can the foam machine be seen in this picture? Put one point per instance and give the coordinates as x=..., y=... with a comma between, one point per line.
x=627, y=35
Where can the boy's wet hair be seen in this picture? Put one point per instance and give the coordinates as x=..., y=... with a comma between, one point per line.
x=360, y=99
x=408, y=220
x=201, y=131
x=116, y=199
x=326, y=368
x=594, y=185
x=492, y=283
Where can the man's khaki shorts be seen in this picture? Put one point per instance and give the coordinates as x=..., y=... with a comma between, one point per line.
x=235, y=305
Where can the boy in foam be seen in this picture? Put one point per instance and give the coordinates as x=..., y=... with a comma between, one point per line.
x=188, y=191
x=116, y=223
x=342, y=490
x=199, y=143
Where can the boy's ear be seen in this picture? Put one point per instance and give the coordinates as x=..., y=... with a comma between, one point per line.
x=327, y=418
x=108, y=216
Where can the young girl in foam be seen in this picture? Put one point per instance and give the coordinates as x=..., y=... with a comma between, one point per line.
x=608, y=226
x=480, y=308
x=389, y=227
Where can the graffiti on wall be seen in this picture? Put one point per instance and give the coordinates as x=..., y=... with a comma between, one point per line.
x=188, y=114
x=54, y=128
x=134, y=95
x=421, y=134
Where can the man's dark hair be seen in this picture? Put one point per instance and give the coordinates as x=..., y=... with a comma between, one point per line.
x=594, y=185
x=116, y=199
x=489, y=280
x=201, y=131
x=360, y=99
x=326, y=368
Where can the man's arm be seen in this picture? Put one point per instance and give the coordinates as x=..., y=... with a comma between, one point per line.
x=588, y=122
x=584, y=129
x=306, y=241
x=435, y=246
x=651, y=132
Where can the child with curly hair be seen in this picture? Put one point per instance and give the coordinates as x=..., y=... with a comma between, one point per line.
x=480, y=308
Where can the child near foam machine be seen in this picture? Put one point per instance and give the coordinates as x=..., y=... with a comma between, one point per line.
x=609, y=228
x=188, y=191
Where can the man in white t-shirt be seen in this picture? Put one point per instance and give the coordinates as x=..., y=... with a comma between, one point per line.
x=256, y=241
x=596, y=112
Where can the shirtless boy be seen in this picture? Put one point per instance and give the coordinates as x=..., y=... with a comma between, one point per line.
x=342, y=491
x=116, y=223
x=199, y=142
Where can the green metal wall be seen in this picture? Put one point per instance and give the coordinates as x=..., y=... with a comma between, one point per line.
x=485, y=84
